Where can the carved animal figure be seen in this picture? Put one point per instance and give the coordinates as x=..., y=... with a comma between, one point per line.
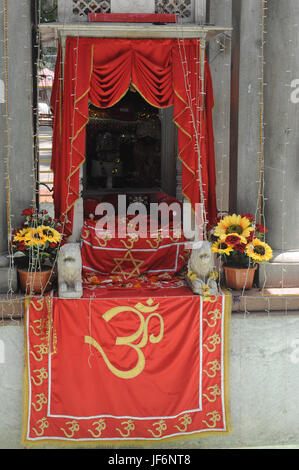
x=69, y=266
x=201, y=261
x=201, y=269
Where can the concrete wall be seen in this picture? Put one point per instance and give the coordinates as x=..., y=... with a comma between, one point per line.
x=220, y=13
x=17, y=122
x=264, y=383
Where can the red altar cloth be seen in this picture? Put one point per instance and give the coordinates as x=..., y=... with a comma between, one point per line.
x=138, y=369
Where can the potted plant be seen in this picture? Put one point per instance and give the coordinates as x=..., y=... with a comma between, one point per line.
x=34, y=246
x=239, y=241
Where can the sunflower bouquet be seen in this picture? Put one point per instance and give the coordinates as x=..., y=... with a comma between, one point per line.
x=36, y=242
x=239, y=240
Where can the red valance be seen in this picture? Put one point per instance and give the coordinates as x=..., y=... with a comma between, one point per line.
x=165, y=72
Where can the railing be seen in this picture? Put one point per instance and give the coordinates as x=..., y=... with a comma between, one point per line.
x=78, y=10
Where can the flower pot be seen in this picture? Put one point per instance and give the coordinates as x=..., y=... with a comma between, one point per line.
x=36, y=282
x=239, y=278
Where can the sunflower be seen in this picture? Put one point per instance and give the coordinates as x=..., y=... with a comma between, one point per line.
x=49, y=233
x=21, y=234
x=259, y=251
x=233, y=224
x=221, y=248
x=33, y=238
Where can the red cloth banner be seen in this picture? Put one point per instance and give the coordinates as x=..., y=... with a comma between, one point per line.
x=131, y=255
x=165, y=72
x=109, y=370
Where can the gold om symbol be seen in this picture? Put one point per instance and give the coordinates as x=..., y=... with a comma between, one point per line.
x=43, y=424
x=41, y=400
x=214, y=367
x=38, y=327
x=99, y=427
x=73, y=427
x=139, y=309
x=38, y=304
x=216, y=316
x=41, y=350
x=214, y=418
x=43, y=375
x=214, y=340
x=129, y=426
x=185, y=421
x=160, y=427
x=214, y=391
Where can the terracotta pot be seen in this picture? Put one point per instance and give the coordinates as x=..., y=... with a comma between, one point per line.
x=239, y=278
x=36, y=282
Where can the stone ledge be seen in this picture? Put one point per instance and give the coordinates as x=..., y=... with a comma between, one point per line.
x=11, y=307
x=267, y=300
x=251, y=301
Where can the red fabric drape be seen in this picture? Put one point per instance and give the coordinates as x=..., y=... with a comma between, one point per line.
x=100, y=70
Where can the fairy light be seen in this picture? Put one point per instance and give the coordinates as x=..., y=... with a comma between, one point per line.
x=259, y=212
x=195, y=120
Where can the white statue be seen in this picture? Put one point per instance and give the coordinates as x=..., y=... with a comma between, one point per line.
x=201, y=271
x=69, y=266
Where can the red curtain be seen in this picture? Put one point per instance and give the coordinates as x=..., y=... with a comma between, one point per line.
x=165, y=72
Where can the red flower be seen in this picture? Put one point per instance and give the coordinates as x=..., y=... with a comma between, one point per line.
x=28, y=212
x=240, y=247
x=249, y=217
x=53, y=245
x=251, y=236
x=21, y=246
x=261, y=228
x=232, y=239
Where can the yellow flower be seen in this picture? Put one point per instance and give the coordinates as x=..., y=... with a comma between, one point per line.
x=192, y=275
x=213, y=275
x=34, y=238
x=221, y=248
x=233, y=224
x=205, y=289
x=50, y=234
x=259, y=251
x=20, y=235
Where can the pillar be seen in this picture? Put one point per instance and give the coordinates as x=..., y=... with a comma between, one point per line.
x=16, y=141
x=281, y=143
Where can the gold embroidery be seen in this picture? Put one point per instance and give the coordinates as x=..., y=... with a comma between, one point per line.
x=185, y=421
x=43, y=375
x=136, y=263
x=40, y=304
x=215, y=366
x=41, y=400
x=38, y=327
x=129, y=340
x=214, y=392
x=210, y=299
x=100, y=426
x=42, y=349
x=102, y=241
x=73, y=426
x=43, y=424
x=128, y=427
x=214, y=340
x=216, y=316
x=214, y=418
x=85, y=233
x=130, y=243
x=154, y=244
x=160, y=427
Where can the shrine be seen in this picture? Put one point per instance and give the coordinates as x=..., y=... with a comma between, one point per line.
x=142, y=221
